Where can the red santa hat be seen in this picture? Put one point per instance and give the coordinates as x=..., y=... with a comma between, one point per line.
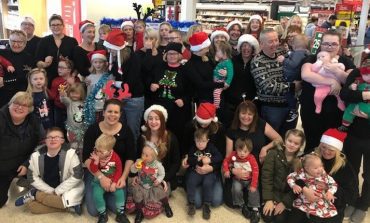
x=220, y=31
x=206, y=113
x=98, y=54
x=258, y=17
x=159, y=108
x=115, y=41
x=333, y=137
x=199, y=41
x=234, y=22
x=127, y=23
x=84, y=24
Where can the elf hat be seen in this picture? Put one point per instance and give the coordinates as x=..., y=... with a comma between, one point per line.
x=84, y=24
x=159, y=108
x=199, y=41
x=29, y=20
x=334, y=137
x=98, y=54
x=234, y=22
x=206, y=113
x=258, y=17
x=247, y=38
x=127, y=23
x=220, y=31
x=115, y=41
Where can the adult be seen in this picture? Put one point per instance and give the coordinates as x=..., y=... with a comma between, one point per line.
x=311, y=27
x=126, y=70
x=291, y=32
x=356, y=145
x=88, y=44
x=218, y=35
x=235, y=30
x=20, y=133
x=11, y=83
x=124, y=147
x=247, y=124
x=280, y=29
x=242, y=86
x=164, y=30
x=270, y=82
x=28, y=26
x=53, y=46
x=127, y=28
x=255, y=26
x=330, y=22
x=315, y=124
x=205, y=118
x=295, y=20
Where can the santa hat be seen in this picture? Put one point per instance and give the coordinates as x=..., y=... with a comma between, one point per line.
x=220, y=31
x=115, y=41
x=206, y=113
x=28, y=19
x=84, y=24
x=199, y=41
x=127, y=23
x=152, y=146
x=247, y=38
x=159, y=108
x=98, y=54
x=258, y=17
x=234, y=22
x=334, y=137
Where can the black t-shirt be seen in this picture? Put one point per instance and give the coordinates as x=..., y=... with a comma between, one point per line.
x=51, y=171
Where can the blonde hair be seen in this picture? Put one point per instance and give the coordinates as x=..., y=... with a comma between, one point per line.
x=308, y=158
x=339, y=160
x=151, y=33
x=29, y=77
x=192, y=30
x=140, y=22
x=22, y=98
x=104, y=28
x=296, y=132
x=79, y=88
x=162, y=24
x=294, y=17
x=105, y=142
x=19, y=33
x=105, y=66
x=300, y=41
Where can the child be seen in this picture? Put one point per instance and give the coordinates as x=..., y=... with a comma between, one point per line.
x=202, y=154
x=322, y=91
x=37, y=86
x=243, y=158
x=55, y=173
x=139, y=34
x=279, y=162
x=105, y=160
x=96, y=82
x=73, y=99
x=223, y=73
x=4, y=63
x=103, y=33
x=313, y=176
x=291, y=65
x=147, y=186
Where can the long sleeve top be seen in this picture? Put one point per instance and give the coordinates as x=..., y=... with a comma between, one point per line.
x=210, y=151
x=112, y=169
x=224, y=65
x=82, y=62
x=149, y=172
x=5, y=64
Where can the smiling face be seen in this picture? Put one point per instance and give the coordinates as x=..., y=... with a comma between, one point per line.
x=246, y=118
x=314, y=167
x=366, y=78
x=112, y=114
x=17, y=42
x=327, y=152
x=57, y=27
x=88, y=34
x=255, y=25
x=292, y=144
x=246, y=50
x=235, y=32
x=269, y=43
x=28, y=28
x=54, y=140
x=218, y=39
x=154, y=121
x=173, y=57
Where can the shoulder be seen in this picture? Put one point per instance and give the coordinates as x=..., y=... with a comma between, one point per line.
x=310, y=59
x=348, y=63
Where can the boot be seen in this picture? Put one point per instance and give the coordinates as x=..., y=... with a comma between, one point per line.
x=255, y=216
x=206, y=212
x=103, y=217
x=168, y=210
x=139, y=216
x=191, y=209
x=246, y=212
x=122, y=218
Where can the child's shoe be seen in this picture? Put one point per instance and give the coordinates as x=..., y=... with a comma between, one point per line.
x=255, y=216
x=358, y=216
x=206, y=212
x=103, y=217
x=76, y=209
x=191, y=209
x=168, y=210
x=139, y=216
x=29, y=196
x=122, y=218
x=246, y=212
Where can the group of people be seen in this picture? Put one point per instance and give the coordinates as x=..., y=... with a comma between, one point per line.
x=121, y=122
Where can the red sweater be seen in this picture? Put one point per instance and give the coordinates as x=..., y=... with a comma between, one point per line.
x=112, y=170
x=234, y=160
x=5, y=64
x=54, y=93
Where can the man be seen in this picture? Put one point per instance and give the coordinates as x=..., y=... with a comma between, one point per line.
x=234, y=29
x=176, y=37
x=270, y=82
x=28, y=26
x=311, y=27
x=330, y=22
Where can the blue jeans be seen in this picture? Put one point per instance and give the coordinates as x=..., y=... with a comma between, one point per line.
x=275, y=116
x=89, y=198
x=133, y=109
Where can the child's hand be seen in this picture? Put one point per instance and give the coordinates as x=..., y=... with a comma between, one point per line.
x=48, y=60
x=353, y=87
x=11, y=69
x=95, y=158
x=252, y=189
x=227, y=174
x=280, y=58
x=113, y=187
x=179, y=103
x=206, y=160
x=70, y=80
x=135, y=181
x=222, y=72
x=87, y=81
x=62, y=93
x=329, y=196
x=226, y=86
x=297, y=189
x=157, y=182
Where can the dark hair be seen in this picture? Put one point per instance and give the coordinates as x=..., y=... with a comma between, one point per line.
x=199, y=133
x=56, y=17
x=314, y=19
x=244, y=107
x=113, y=101
x=294, y=29
x=240, y=143
x=333, y=32
x=54, y=129
x=333, y=17
x=69, y=62
x=343, y=23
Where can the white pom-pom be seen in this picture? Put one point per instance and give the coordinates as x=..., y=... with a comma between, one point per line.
x=233, y=158
x=367, y=50
x=144, y=128
x=215, y=119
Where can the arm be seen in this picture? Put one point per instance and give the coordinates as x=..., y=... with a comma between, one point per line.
x=271, y=134
x=216, y=158
x=314, y=78
x=349, y=95
x=161, y=172
x=65, y=100
x=93, y=166
x=118, y=172
x=255, y=171
x=229, y=72
x=226, y=162
x=192, y=159
x=229, y=146
x=5, y=63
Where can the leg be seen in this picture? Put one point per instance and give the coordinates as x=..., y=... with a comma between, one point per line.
x=348, y=116
x=5, y=182
x=254, y=198
x=275, y=116
x=340, y=103
x=217, y=197
x=363, y=202
x=237, y=193
x=98, y=196
x=133, y=109
x=119, y=196
x=50, y=200
x=297, y=215
x=207, y=187
x=217, y=97
x=194, y=179
x=89, y=200
x=320, y=94
x=38, y=208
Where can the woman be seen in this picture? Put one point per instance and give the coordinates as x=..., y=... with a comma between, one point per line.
x=235, y=30
x=255, y=26
x=21, y=132
x=53, y=46
x=295, y=20
x=330, y=117
x=124, y=147
x=164, y=30
x=218, y=35
x=11, y=83
x=127, y=28
x=242, y=86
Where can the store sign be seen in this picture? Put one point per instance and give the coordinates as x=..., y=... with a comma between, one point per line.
x=71, y=14
x=351, y=1
x=319, y=32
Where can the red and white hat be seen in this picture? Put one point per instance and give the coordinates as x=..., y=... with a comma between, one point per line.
x=247, y=38
x=84, y=24
x=98, y=54
x=199, y=41
x=127, y=23
x=206, y=113
x=232, y=23
x=258, y=17
x=159, y=108
x=334, y=137
x=220, y=31
x=115, y=41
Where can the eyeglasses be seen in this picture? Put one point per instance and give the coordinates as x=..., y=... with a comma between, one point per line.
x=172, y=38
x=16, y=41
x=63, y=68
x=56, y=25
x=19, y=106
x=54, y=138
x=326, y=44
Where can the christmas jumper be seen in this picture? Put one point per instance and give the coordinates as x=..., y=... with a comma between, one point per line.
x=218, y=78
x=111, y=168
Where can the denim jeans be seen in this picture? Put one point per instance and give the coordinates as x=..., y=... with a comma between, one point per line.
x=205, y=181
x=275, y=116
x=237, y=191
x=133, y=109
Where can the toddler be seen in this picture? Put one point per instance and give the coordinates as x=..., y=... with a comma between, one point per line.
x=103, y=33
x=139, y=34
x=5, y=64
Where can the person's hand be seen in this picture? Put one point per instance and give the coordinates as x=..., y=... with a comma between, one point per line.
x=156, y=182
x=262, y=154
x=204, y=169
x=10, y=69
x=227, y=174
x=179, y=103
x=105, y=183
x=22, y=170
x=335, y=87
x=222, y=72
x=329, y=196
x=226, y=86
x=353, y=86
x=298, y=86
x=332, y=67
x=280, y=58
x=135, y=181
x=113, y=187
x=279, y=208
x=148, y=44
x=268, y=209
x=240, y=173
x=1, y=82
x=165, y=186
x=347, y=52
x=252, y=189
x=121, y=183
x=62, y=93
x=357, y=112
x=87, y=81
x=184, y=162
x=48, y=61
x=206, y=160
x=310, y=194
x=366, y=95
x=297, y=189
x=70, y=80
x=94, y=157
x=154, y=87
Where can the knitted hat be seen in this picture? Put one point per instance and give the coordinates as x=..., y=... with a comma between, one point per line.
x=247, y=38
x=115, y=41
x=127, y=23
x=199, y=41
x=28, y=19
x=220, y=31
x=98, y=54
x=154, y=108
x=152, y=146
x=174, y=46
x=232, y=23
x=84, y=24
x=258, y=17
x=334, y=137
x=206, y=113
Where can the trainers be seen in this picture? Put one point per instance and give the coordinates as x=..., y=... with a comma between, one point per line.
x=358, y=216
x=255, y=216
x=348, y=212
x=191, y=209
x=122, y=218
x=292, y=116
x=206, y=212
x=76, y=209
x=29, y=196
x=246, y=212
x=168, y=210
x=103, y=217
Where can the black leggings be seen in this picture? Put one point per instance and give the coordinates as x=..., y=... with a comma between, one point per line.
x=301, y=217
x=280, y=218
